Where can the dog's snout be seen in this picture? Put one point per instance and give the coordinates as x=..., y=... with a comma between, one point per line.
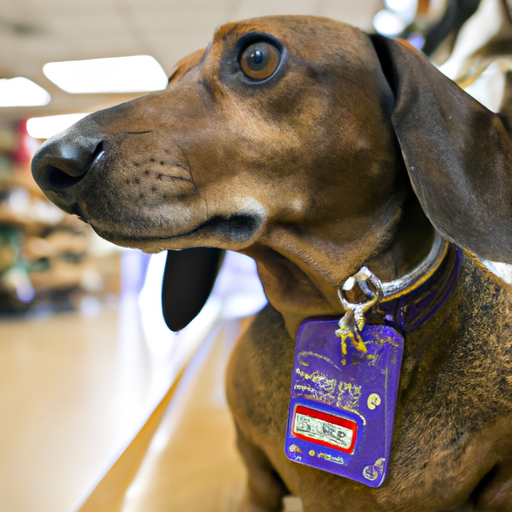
x=60, y=164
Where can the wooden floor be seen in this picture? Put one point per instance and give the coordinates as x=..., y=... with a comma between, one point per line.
x=192, y=463
x=75, y=390
x=62, y=414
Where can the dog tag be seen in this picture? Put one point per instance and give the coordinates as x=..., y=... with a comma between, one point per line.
x=343, y=396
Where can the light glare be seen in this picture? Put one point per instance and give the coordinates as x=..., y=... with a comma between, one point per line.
x=22, y=92
x=406, y=9
x=388, y=23
x=139, y=73
x=46, y=127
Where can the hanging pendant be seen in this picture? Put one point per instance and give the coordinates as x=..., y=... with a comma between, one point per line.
x=344, y=389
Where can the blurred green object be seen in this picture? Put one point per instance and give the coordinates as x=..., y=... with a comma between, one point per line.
x=5, y=165
x=11, y=239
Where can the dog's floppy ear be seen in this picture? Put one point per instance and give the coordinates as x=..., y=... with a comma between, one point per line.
x=457, y=153
x=188, y=280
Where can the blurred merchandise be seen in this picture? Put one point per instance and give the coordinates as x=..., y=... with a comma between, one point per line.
x=469, y=40
x=48, y=260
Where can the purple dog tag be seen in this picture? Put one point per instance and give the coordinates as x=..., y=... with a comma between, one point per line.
x=343, y=399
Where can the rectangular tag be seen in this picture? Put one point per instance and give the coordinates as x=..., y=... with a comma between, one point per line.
x=324, y=429
x=342, y=407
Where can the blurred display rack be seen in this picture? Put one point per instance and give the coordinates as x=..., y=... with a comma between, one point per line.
x=48, y=260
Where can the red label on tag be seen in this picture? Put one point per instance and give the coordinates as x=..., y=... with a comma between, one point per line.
x=324, y=429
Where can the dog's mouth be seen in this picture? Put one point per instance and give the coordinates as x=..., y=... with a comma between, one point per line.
x=235, y=230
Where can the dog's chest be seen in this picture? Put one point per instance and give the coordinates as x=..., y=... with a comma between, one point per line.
x=454, y=390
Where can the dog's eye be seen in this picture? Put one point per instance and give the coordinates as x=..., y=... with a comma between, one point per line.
x=259, y=60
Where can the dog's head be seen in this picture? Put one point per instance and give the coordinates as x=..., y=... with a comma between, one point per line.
x=287, y=131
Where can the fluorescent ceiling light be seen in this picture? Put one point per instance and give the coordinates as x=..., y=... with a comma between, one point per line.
x=45, y=127
x=119, y=74
x=22, y=92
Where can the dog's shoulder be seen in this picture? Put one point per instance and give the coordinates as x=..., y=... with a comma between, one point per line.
x=470, y=340
x=456, y=390
x=461, y=359
x=484, y=305
x=484, y=345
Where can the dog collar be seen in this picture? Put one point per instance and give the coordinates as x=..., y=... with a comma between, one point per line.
x=407, y=303
x=346, y=374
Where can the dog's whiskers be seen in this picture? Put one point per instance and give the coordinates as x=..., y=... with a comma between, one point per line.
x=174, y=164
x=177, y=178
x=188, y=168
x=162, y=176
x=136, y=133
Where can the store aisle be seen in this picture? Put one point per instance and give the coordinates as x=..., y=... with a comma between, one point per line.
x=191, y=462
x=63, y=413
x=74, y=390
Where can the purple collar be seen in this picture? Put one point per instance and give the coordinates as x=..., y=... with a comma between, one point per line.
x=346, y=373
x=409, y=302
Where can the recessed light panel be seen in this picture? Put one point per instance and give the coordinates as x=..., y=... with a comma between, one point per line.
x=45, y=127
x=139, y=73
x=22, y=92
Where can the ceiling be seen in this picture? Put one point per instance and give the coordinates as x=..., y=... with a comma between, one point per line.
x=34, y=32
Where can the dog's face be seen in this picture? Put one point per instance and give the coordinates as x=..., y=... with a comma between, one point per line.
x=293, y=135
x=279, y=123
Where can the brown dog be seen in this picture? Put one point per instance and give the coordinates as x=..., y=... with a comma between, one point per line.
x=317, y=151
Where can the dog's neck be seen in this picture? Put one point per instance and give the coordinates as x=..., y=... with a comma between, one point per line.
x=301, y=272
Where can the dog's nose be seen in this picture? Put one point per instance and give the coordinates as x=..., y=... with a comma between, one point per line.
x=61, y=163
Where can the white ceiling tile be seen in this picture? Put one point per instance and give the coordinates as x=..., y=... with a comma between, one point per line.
x=184, y=19
x=168, y=51
x=251, y=9
x=180, y=4
x=89, y=26
x=166, y=29
x=360, y=14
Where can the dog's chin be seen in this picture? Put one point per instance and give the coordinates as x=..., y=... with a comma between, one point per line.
x=234, y=232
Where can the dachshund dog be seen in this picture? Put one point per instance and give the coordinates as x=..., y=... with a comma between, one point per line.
x=317, y=149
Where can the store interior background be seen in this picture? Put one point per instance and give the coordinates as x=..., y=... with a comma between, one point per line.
x=85, y=355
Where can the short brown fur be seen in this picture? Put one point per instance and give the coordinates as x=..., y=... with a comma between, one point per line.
x=350, y=154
